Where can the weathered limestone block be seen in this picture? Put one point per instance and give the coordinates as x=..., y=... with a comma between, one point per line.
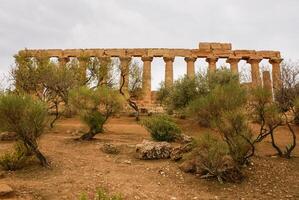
x=136, y=52
x=204, y=46
x=115, y=52
x=226, y=46
x=148, y=150
x=215, y=46
x=178, y=152
x=245, y=54
x=110, y=148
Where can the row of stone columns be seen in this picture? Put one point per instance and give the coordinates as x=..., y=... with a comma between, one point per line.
x=233, y=61
x=146, y=85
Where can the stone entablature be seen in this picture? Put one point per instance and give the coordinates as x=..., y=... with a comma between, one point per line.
x=210, y=51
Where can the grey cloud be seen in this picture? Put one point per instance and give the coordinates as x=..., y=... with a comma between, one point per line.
x=255, y=24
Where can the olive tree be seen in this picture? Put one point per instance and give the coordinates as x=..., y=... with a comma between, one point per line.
x=95, y=106
x=27, y=118
x=270, y=116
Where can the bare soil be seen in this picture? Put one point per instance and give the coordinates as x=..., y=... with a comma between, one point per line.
x=78, y=167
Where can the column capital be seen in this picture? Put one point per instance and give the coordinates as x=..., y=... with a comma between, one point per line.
x=190, y=59
x=168, y=59
x=233, y=59
x=147, y=58
x=275, y=60
x=254, y=60
x=212, y=59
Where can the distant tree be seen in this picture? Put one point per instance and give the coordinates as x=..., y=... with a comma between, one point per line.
x=27, y=118
x=270, y=116
x=183, y=91
x=95, y=106
x=46, y=80
x=134, y=91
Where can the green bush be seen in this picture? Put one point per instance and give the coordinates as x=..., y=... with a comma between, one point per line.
x=16, y=159
x=27, y=118
x=221, y=98
x=162, y=128
x=95, y=120
x=236, y=133
x=95, y=106
x=102, y=195
x=183, y=91
x=211, y=159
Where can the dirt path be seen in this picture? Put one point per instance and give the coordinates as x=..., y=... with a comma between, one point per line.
x=82, y=167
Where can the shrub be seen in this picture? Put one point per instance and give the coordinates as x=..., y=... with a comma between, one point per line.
x=16, y=159
x=183, y=91
x=210, y=159
x=95, y=106
x=236, y=133
x=102, y=195
x=221, y=98
x=162, y=128
x=27, y=118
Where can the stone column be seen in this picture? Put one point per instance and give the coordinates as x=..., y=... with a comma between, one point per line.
x=190, y=66
x=63, y=60
x=83, y=64
x=124, y=72
x=212, y=63
x=146, y=79
x=233, y=61
x=267, y=80
x=168, y=71
x=276, y=74
x=255, y=70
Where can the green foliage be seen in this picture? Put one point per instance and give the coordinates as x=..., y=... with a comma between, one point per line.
x=94, y=120
x=182, y=92
x=101, y=194
x=96, y=106
x=162, y=128
x=23, y=115
x=220, y=98
x=236, y=133
x=26, y=117
x=211, y=159
x=223, y=109
x=210, y=151
x=16, y=159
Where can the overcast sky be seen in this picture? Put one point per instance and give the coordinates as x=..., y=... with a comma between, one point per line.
x=254, y=24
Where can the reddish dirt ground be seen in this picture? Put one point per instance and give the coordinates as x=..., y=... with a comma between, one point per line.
x=82, y=167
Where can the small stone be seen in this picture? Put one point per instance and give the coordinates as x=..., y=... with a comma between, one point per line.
x=8, y=136
x=128, y=162
x=153, y=150
x=5, y=189
x=110, y=149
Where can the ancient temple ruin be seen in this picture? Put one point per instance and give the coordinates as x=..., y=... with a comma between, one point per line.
x=210, y=51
